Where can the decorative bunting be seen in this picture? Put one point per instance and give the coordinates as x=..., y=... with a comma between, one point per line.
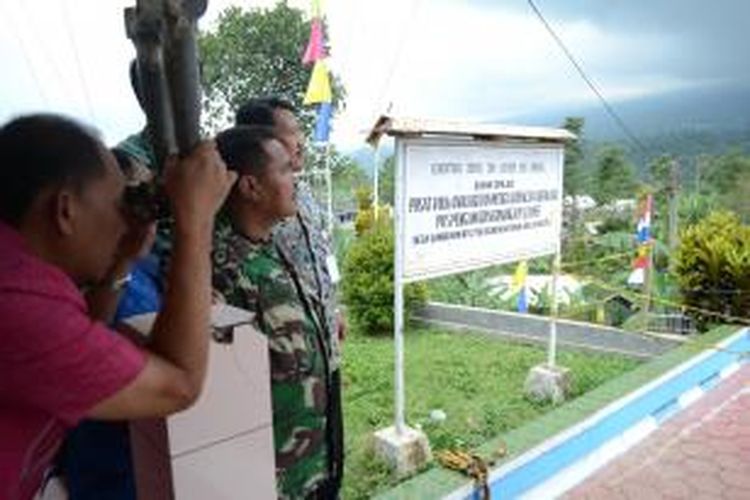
x=319, y=88
x=315, y=50
x=643, y=236
x=523, y=300
x=519, y=283
x=323, y=122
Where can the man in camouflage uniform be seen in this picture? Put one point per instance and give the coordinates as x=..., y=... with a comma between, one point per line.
x=305, y=241
x=255, y=273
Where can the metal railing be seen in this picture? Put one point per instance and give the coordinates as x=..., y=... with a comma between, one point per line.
x=675, y=323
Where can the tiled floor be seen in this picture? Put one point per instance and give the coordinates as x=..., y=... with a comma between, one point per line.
x=701, y=453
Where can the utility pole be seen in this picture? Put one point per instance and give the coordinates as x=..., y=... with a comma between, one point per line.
x=376, y=180
x=698, y=173
x=648, y=279
x=673, y=192
x=649, y=270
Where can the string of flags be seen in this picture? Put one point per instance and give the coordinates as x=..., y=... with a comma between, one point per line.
x=519, y=284
x=319, y=87
x=643, y=235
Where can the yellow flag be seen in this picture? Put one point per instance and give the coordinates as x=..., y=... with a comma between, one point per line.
x=519, y=277
x=319, y=88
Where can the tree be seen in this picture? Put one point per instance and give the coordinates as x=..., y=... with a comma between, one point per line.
x=574, y=177
x=348, y=176
x=615, y=177
x=660, y=172
x=723, y=172
x=660, y=177
x=253, y=53
x=386, y=181
x=573, y=187
x=727, y=176
x=695, y=207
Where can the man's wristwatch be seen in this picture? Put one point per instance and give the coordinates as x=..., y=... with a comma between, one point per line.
x=120, y=283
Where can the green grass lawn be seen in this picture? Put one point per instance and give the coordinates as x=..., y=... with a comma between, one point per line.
x=476, y=380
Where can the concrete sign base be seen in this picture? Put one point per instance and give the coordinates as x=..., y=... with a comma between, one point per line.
x=406, y=452
x=548, y=383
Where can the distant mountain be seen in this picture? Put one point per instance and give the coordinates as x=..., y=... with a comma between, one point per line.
x=685, y=123
x=710, y=111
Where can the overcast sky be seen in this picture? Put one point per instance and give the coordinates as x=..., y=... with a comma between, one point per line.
x=480, y=60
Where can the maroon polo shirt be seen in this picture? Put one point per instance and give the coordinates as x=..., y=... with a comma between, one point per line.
x=56, y=363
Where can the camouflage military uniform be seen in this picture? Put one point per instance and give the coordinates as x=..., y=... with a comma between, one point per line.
x=304, y=239
x=308, y=245
x=260, y=278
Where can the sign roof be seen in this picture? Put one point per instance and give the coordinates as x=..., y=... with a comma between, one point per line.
x=404, y=126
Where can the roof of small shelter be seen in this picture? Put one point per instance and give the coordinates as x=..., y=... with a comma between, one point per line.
x=403, y=126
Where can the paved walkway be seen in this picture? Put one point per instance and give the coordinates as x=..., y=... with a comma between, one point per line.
x=701, y=453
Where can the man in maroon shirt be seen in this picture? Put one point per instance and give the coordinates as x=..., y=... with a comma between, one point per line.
x=62, y=228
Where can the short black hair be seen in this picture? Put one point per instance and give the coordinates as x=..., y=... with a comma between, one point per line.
x=42, y=150
x=242, y=148
x=259, y=111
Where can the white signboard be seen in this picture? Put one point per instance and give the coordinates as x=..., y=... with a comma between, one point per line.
x=468, y=205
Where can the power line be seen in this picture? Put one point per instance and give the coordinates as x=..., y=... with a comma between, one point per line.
x=415, y=7
x=40, y=41
x=79, y=66
x=610, y=110
x=27, y=59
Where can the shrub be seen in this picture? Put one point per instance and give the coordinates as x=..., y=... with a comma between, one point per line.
x=712, y=267
x=471, y=288
x=365, y=216
x=363, y=222
x=368, y=281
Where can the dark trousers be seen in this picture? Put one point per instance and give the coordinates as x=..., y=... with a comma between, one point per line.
x=335, y=435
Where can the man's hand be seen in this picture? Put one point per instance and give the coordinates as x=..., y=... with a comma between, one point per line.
x=197, y=186
x=102, y=298
x=173, y=377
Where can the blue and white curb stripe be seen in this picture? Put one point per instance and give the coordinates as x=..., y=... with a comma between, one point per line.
x=566, y=459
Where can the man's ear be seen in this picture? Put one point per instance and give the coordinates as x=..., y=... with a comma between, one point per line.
x=65, y=210
x=249, y=188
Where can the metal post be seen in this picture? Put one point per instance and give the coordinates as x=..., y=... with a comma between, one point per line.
x=649, y=272
x=648, y=276
x=398, y=288
x=552, y=351
x=557, y=221
x=376, y=178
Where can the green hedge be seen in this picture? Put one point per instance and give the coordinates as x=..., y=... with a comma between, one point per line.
x=368, y=281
